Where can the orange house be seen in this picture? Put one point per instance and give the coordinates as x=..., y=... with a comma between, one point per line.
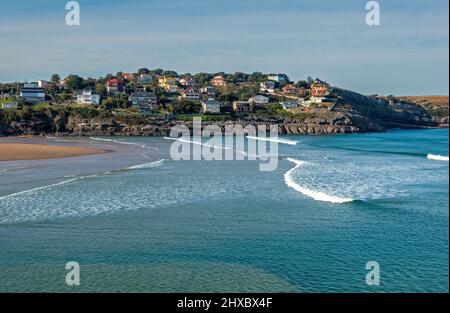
x=319, y=89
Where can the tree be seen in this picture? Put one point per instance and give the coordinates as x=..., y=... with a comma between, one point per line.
x=302, y=83
x=52, y=88
x=89, y=83
x=157, y=71
x=257, y=77
x=240, y=77
x=119, y=101
x=170, y=73
x=101, y=89
x=202, y=79
x=246, y=92
x=186, y=106
x=74, y=82
x=55, y=79
x=143, y=71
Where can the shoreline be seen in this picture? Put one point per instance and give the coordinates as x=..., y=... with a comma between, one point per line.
x=15, y=151
x=122, y=134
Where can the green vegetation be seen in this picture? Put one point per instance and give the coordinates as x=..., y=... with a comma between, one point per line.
x=273, y=110
x=204, y=117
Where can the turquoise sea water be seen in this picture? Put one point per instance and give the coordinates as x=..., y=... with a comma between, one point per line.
x=137, y=221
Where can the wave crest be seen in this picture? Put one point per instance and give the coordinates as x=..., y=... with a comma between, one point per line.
x=278, y=140
x=146, y=165
x=436, y=157
x=316, y=195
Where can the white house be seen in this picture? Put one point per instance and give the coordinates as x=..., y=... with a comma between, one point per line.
x=267, y=86
x=190, y=94
x=9, y=105
x=211, y=106
x=145, y=79
x=186, y=81
x=209, y=91
x=42, y=83
x=31, y=92
x=280, y=78
x=259, y=100
x=87, y=97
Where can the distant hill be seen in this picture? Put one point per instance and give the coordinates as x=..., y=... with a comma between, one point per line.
x=437, y=106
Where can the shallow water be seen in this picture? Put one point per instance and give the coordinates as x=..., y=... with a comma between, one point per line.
x=137, y=221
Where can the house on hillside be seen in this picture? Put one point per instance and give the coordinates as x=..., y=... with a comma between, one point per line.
x=114, y=86
x=9, y=105
x=128, y=76
x=168, y=83
x=259, y=101
x=87, y=97
x=42, y=83
x=145, y=79
x=31, y=92
x=291, y=89
x=211, y=106
x=279, y=78
x=144, y=100
x=190, y=94
x=219, y=81
x=320, y=91
x=209, y=91
x=242, y=107
x=186, y=81
x=267, y=86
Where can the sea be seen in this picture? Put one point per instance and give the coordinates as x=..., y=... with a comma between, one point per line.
x=136, y=220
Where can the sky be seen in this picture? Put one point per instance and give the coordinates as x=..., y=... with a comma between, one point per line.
x=408, y=54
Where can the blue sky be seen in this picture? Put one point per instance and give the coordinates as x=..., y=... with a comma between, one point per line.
x=406, y=55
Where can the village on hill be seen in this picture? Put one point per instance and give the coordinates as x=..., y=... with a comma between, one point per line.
x=159, y=92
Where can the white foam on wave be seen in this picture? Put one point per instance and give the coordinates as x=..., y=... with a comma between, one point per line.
x=436, y=157
x=119, y=142
x=5, y=170
x=279, y=140
x=64, y=182
x=197, y=143
x=38, y=188
x=316, y=195
x=211, y=146
x=146, y=165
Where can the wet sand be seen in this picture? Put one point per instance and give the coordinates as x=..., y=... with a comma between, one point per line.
x=26, y=151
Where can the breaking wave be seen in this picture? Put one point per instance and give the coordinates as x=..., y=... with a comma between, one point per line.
x=197, y=143
x=436, y=157
x=279, y=140
x=118, y=142
x=146, y=165
x=316, y=195
x=38, y=189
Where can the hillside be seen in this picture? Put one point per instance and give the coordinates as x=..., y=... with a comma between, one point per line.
x=342, y=111
x=436, y=106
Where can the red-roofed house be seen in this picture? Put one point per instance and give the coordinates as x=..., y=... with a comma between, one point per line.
x=114, y=85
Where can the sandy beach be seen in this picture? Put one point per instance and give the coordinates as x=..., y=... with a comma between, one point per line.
x=26, y=151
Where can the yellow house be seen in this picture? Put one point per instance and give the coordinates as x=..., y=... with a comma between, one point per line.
x=168, y=83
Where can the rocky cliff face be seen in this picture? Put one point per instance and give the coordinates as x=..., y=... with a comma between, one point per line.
x=382, y=114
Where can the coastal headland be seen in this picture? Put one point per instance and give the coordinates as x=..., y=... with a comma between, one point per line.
x=151, y=102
